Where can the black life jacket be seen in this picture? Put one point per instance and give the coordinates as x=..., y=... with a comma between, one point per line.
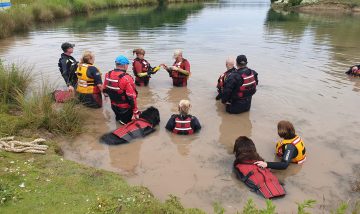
x=113, y=89
x=183, y=125
x=248, y=88
x=260, y=180
x=135, y=129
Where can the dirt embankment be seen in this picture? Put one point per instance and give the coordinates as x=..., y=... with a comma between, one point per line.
x=322, y=7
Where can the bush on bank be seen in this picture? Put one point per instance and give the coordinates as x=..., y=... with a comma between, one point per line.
x=25, y=13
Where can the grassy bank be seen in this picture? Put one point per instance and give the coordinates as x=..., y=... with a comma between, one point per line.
x=345, y=6
x=24, y=14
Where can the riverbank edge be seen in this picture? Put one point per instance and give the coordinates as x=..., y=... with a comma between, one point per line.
x=22, y=18
x=323, y=7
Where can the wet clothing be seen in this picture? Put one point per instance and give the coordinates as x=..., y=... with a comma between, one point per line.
x=89, y=77
x=221, y=82
x=350, y=72
x=141, y=66
x=67, y=67
x=290, y=150
x=239, y=87
x=120, y=87
x=183, y=124
x=180, y=79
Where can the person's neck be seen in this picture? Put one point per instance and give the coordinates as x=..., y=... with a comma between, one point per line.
x=67, y=54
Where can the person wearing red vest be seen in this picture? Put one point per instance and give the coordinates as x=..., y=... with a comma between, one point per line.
x=120, y=87
x=354, y=70
x=239, y=87
x=230, y=62
x=141, y=68
x=180, y=70
x=183, y=123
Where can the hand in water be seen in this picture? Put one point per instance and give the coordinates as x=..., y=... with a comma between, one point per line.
x=261, y=164
x=71, y=89
x=135, y=115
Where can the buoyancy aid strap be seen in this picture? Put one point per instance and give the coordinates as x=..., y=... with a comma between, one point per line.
x=140, y=129
x=246, y=177
x=296, y=141
x=301, y=161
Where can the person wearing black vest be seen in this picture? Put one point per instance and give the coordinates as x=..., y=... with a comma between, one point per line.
x=239, y=87
x=67, y=66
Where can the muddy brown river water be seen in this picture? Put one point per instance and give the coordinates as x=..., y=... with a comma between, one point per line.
x=300, y=58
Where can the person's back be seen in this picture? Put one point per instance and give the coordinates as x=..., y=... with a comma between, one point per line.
x=183, y=123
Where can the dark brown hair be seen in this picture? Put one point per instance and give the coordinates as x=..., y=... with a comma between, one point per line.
x=244, y=150
x=139, y=51
x=286, y=129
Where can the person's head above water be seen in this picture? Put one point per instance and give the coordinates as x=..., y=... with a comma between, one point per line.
x=88, y=57
x=140, y=53
x=286, y=129
x=245, y=150
x=178, y=55
x=184, y=107
x=67, y=48
x=241, y=61
x=230, y=62
x=122, y=62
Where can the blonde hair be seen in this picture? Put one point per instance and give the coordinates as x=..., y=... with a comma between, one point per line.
x=286, y=129
x=184, y=107
x=87, y=57
x=177, y=52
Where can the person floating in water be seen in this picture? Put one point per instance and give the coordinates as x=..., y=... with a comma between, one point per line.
x=354, y=70
x=239, y=87
x=290, y=149
x=230, y=62
x=142, y=68
x=180, y=71
x=183, y=123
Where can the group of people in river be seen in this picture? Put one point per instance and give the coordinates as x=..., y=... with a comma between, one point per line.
x=236, y=86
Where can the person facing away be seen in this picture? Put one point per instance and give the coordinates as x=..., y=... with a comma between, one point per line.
x=180, y=70
x=120, y=87
x=290, y=149
x=230, y=62
x=239, y=87
x=354, y=70
x=67, y=66
x=89, y=84
x=183, y=123
x=141, y=68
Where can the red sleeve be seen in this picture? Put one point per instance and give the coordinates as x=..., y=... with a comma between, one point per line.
x=130, y=90
x=186, y=65
x=105, y=80
x=138, y=67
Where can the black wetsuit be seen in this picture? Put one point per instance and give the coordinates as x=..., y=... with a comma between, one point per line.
x=289, y=153
x=195, y=124
x=67, y=73
x=230, y=93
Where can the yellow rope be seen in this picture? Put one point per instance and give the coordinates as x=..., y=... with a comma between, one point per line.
x=10, y=145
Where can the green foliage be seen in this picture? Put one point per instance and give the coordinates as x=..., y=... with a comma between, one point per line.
x=250, y=208
x=7, y=193
x=341, y=209
x=218, y=209
x=14, y=80
x=306, y=204
x=294, y=2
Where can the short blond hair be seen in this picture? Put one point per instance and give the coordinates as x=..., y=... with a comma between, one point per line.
x=178, y=52
x=184, y=107
x=87, y=57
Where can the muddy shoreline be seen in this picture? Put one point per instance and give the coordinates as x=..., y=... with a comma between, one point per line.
x=321, y=8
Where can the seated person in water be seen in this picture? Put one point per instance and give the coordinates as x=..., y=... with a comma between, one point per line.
x=183, y=123
x=355, y=70
x=140, y=127
x=260, y=180
x=230, y=63
x=290, y=149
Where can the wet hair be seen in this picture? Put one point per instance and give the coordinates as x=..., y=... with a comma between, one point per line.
x=87, y=57
x=151, y=115
x=139, y=51
x=286, y=129
x=184, y=107
x=245, y=150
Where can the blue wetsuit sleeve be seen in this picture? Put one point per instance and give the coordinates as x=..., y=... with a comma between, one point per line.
x=289, y=154
x=94, y=73
x=195, y=124
x=170, y=125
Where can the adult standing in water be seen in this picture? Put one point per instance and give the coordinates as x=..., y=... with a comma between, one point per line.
x=230, y=66
x=67, y=65
x=140, y=68
x=239, y=87
x=180, y=71
x=120, y=87
x=89, y=85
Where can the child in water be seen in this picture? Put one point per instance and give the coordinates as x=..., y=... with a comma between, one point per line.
x=183, y=123
x=290, y=149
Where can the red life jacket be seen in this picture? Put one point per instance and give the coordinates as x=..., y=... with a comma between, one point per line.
x=248, y=88
x=134, y=129
x=261, y=180
x=141, y=81
x=183, y=126
x=222, y=79
x=117, y=95
x=179, y=79
x=62, y=96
